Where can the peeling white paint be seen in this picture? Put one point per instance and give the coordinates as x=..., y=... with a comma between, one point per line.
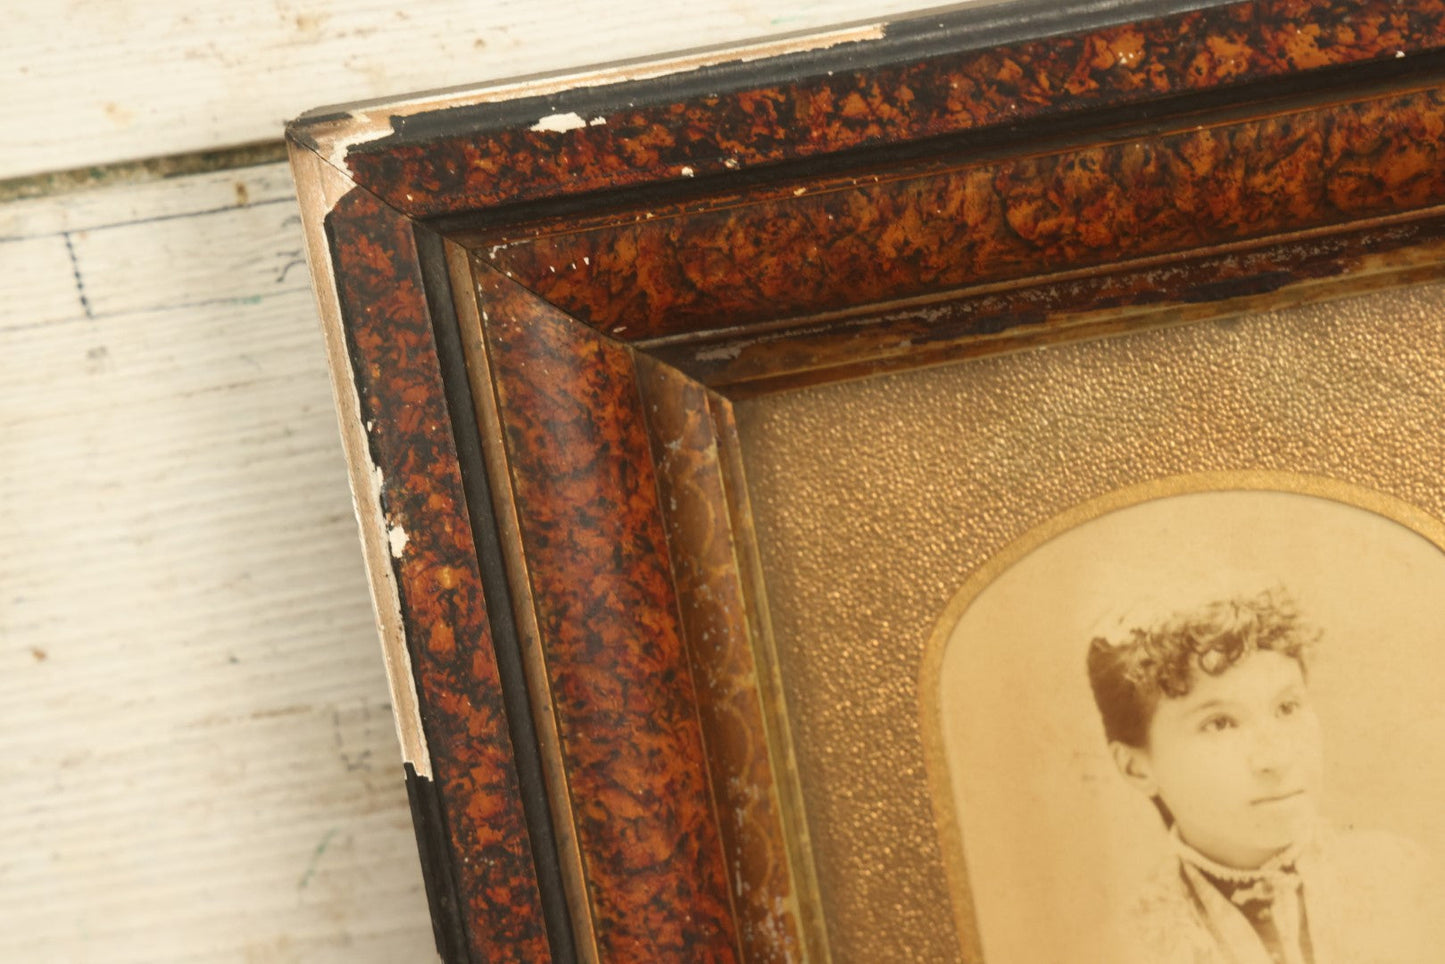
x=560, y=123
x=375, y=120
x=319, y=188
x=363, y=128
x=396, y=538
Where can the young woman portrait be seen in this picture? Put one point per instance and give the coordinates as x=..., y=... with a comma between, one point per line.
x=1196, y=724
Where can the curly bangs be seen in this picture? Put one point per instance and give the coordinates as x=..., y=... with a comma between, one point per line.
x=1130, y=675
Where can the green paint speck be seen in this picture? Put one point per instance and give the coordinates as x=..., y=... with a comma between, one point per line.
x=316, y=859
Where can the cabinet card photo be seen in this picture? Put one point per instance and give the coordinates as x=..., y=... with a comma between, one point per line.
x=1193, y=722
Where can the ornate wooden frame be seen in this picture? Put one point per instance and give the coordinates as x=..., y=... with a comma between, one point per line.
x=540, y=299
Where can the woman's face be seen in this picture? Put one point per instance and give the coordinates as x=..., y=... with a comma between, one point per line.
x=1237, y=760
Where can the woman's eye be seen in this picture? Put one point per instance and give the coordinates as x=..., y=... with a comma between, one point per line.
x=1290, y=707
x=1217, y=724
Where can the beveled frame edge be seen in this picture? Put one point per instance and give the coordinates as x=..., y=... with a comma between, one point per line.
x=703, y=496
x=334, y=133
x=763, y=645
x=468, y=150
x=1374, y=254
x=481, y=383
x=319, y=186
x=701, y=501
x=616, y=672
x=490, y=909
x=400, y=210
x=555, y=103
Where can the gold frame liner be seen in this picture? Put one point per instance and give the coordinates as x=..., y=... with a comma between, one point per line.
x=875, y=500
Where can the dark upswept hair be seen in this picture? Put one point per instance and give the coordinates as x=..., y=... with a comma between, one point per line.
x=1130, y=675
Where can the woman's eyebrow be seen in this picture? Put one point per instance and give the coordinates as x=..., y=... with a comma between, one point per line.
x=1289, y=689
x=1212, y=703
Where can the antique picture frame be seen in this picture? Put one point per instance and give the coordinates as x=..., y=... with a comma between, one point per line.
x=556, y=308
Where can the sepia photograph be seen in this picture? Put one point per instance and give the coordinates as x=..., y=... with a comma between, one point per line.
x=1191, y=722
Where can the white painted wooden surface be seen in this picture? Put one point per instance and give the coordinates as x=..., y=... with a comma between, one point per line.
x=197, y=760
x=196, y=748
x=92, y=81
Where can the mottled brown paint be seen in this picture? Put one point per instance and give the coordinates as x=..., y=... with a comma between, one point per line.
x=619, y=680
x=967, y=325
x=720, y=640
x=395, y=366
x=844, y=244
x=810, y=116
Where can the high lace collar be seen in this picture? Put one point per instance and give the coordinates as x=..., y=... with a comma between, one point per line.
x=1270, y=897
x=1282, y=865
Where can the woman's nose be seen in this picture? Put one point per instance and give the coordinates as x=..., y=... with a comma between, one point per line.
x=1272, y=747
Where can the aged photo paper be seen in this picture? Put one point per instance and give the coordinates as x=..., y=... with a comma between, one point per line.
x=1323, y=757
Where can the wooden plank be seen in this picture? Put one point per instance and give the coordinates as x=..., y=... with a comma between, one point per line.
x=146, y=201
x=22, y=260
x=195, y=732
x=122, y=79
x=237, y=254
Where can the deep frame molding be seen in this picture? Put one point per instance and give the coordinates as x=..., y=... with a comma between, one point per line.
x=600, y=765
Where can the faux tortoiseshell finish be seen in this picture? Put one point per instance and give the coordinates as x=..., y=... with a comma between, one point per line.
x=394, y=363
x=830, y=104
x=607, y=616
x=1052, y=310
x=839, y=244
x=700, y=507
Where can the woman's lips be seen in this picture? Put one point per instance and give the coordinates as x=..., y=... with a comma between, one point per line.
x=1277, y=797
